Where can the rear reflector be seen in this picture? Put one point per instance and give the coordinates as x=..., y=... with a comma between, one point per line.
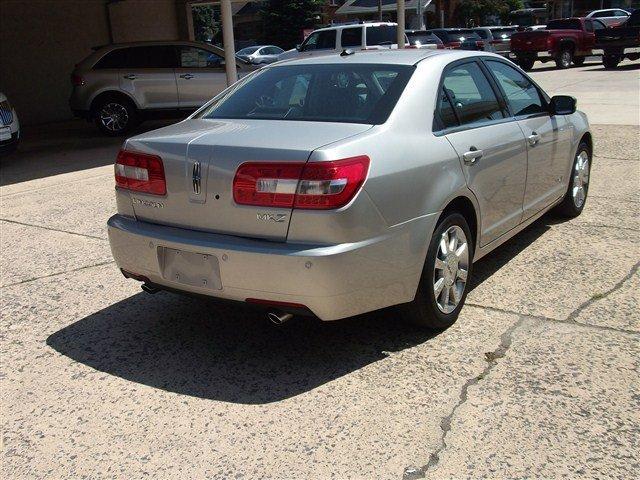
x=313, y=185
x=140, y=172
x=76, y=80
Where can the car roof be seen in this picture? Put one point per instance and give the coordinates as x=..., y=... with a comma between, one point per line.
x=405, y=56
x=352, y=25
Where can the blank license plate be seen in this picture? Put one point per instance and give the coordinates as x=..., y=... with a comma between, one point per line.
x=189, y=268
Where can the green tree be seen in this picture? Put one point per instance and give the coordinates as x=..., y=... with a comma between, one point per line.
x=284, y=20
x=479, y=12
x=206, y=24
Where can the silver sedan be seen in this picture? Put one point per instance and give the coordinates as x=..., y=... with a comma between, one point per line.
x=338, y=185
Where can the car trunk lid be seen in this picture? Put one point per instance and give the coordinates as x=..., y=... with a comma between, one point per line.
x=530, y=41
x=200, y=158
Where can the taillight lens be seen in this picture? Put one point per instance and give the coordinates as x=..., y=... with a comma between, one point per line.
x=140, y=172
x=314, y=185
x=454, y=45
x=76, y=80
x=480, y=44
x=440, y=46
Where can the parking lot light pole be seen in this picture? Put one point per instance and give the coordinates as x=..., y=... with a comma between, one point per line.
x=400, y=15
x=227, y=39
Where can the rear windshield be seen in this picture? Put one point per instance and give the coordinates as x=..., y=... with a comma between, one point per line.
x=499, y=33
x=459, y=35
x=422, y=37
x=568, y=24
x=354, y=93
x=248, y=50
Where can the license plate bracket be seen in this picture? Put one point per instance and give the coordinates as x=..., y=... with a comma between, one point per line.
x=190, y=268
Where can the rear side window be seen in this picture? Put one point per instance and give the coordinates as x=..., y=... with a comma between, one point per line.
x=353, y=93
x=352, y=37
x=113, y=59
x=381, y=35
x=471, y=95
x=156, y=56
x=191, y=57
x=521, y=95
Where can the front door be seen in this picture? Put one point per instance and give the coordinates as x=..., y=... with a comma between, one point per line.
x=200, y=76
x=547, y=137
x=148, y=76
x=491, y=148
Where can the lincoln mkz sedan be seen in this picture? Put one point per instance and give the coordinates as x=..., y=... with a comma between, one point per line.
x=344, y=184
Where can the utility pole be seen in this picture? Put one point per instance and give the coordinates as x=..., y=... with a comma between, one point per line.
x=401, y=27
x=379, y=10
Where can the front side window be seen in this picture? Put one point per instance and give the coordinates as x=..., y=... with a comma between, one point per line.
x=588, y=26
x=471, y=95
x=354, y=93
x=192, y=57
x=352, y=37
x=521, y=95
x=323, y=40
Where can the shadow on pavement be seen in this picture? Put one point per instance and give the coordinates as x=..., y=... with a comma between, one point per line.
x=230, y=353
x=64, y=147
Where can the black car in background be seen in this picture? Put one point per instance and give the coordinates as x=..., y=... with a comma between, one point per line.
x=619, y=42
x=459, y=38
x=423, y=39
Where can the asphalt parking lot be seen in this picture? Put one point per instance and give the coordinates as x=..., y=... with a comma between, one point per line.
x=540, y=376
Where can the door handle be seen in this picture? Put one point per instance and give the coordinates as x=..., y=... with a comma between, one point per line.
x=130, y=76
x=472, y=156
x=186, y=76
x=533, y=138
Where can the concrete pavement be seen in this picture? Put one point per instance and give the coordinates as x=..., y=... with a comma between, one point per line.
x=538, y=378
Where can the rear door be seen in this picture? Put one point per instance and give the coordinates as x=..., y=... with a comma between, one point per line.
x=200, y=76
x=148, y=76
x=319, y=43
x=548, y=138
x=491, y=147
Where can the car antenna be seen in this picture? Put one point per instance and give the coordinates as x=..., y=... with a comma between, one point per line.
x=346, y=52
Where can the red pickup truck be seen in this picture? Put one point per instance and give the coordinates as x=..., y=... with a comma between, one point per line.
x=564, y=41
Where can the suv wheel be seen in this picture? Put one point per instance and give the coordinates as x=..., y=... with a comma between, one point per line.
x=115, y=116
x=526, y=64
x=443, y=285
x=610, y=61
x=576, y=196
x=564, y=58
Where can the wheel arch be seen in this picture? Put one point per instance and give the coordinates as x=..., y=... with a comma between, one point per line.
x=588, y=139
x=465, y=206
x=111, y=94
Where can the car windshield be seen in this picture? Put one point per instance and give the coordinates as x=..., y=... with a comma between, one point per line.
x=354, y=93
x=461, y=35
x=248, y=50
x=421, y=37
x=502, y=32
x=567, y=24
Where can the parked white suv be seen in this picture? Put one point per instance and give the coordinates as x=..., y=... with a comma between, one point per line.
x=371, y=36
x=9, y=126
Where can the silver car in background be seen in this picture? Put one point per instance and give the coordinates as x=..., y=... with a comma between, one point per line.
x=9, y=126
x=343, y=184
x=496, y=39
x=260, y=54
x=119, y=85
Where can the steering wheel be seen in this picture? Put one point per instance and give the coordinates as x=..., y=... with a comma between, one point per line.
x=265, y=101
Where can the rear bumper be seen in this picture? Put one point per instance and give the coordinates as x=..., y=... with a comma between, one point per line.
x=616, y=51
x=334, y=282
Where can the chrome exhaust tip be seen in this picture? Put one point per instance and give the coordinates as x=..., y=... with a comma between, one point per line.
x=278, y=318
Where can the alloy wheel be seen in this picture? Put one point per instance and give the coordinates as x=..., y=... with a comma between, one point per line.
x=565, y=58
x=580, y=179
x=114, y=116
x=450, y=269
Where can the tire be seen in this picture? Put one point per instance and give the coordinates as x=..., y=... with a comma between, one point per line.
x=115, y=115
x=564, y=58
x=578, y=61
x=573, y=202
x=526, y=64
x=424, y=310
x=610, y=61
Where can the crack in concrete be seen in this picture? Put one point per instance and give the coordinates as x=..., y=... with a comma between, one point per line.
x=51, y=229
x=411, y=473
x=56, y=274
x=571, y=318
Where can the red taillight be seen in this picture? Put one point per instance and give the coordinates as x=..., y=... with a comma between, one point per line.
x=140, y=172
x=453, y=45
x=314, y=185
x=440, y=46
x=480, y=44
x=76, y=80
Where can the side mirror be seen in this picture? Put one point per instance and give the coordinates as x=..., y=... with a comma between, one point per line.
x=299, y=47
x=562, y=105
